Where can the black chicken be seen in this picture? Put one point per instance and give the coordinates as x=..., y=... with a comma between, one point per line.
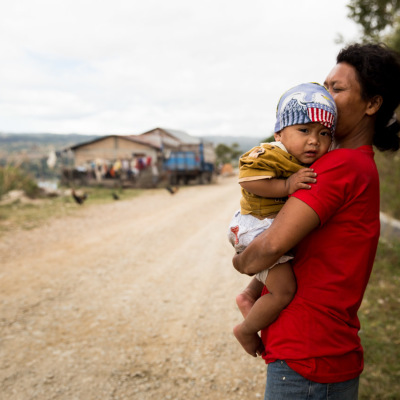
x=172, y=189
x=79, y=197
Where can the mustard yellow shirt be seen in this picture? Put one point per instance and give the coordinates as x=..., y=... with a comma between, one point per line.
x=267, y=161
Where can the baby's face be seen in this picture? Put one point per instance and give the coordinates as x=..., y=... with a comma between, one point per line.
x=307, y=142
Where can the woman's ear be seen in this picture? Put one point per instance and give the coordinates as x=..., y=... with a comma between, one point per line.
x=374, y=105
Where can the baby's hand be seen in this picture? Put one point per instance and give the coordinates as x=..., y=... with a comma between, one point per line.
x=300, y=180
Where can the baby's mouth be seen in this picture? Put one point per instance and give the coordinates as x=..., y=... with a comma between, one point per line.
x=311, y=153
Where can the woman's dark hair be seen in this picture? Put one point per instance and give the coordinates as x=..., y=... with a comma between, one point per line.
x=378, y=71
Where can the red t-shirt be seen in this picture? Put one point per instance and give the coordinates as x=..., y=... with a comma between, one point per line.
x=317, y=333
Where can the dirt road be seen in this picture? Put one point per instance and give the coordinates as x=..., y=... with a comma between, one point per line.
x=129, y=300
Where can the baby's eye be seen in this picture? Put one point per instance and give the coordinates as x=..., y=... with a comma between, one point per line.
x=325, y=133
x=304, y=130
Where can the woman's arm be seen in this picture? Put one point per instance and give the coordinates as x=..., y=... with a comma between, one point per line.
x=294, y=222
x=276, y=188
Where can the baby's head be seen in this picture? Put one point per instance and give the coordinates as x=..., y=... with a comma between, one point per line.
x=305, y=121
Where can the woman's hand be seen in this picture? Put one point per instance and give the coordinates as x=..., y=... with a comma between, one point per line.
x=238, y=263
x=294, y=222
x=259, y=255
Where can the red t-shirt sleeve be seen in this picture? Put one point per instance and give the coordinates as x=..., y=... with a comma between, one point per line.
x=330, y=191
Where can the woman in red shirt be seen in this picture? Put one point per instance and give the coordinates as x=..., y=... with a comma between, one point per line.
x=313, y=348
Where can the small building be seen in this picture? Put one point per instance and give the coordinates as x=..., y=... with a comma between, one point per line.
x=113, y=147
x=136, y=160
x=107, y=160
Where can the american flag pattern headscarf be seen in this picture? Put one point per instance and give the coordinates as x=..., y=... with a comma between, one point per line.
x=305, y=103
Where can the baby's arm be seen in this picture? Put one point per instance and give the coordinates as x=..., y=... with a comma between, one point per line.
x=276, y=188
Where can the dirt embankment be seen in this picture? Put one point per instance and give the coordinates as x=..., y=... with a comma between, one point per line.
x=130, y=300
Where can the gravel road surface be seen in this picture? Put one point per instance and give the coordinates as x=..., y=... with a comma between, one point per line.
x=129, y=300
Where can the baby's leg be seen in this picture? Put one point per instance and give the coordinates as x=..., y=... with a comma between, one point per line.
x=248, y=297
x=281, y=285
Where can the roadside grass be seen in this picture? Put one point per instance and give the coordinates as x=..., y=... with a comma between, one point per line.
x=29, y=215
x=388, y=165
x=102, y=195
x=380, y=326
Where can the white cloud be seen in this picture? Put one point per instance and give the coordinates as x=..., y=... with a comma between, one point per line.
x=126, y=66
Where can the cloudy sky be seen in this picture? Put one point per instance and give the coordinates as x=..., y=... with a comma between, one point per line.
x=209, y=67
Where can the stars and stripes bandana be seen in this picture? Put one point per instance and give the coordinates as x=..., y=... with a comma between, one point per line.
x=305, y=103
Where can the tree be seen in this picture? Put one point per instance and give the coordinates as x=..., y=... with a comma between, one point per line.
x=227, y=154
x=379, y=19
x=374, y=15
x=268, y=139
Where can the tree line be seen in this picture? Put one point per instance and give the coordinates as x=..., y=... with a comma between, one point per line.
x=378, y=19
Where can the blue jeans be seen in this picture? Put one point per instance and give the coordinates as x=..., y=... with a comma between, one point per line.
x=285, y=384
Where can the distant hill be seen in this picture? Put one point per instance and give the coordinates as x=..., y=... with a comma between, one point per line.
x=245, y=142
x=39, y=142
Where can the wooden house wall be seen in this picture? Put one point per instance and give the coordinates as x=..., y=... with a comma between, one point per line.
x=111, y=149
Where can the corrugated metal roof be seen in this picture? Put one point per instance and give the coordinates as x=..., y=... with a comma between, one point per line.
x=155, y=142
x=182, y=136
x=126, y=137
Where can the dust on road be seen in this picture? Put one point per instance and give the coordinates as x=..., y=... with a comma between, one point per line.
x=129, y=300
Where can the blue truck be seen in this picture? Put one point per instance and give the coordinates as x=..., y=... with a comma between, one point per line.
x=197, y=163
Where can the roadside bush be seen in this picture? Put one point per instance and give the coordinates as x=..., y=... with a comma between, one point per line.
x=380, y=322
x=389, y=173
x=13, y=178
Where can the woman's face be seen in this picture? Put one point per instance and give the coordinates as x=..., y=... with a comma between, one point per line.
x=343, y=85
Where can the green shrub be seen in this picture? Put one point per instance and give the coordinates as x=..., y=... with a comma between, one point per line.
x=389, y=173
x=380, y=322
x=13, y=178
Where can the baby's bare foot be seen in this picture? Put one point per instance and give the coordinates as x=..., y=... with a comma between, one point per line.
x=250, y=342
x=244, y=302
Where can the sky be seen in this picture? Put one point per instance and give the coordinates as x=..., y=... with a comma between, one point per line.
x=209, y=67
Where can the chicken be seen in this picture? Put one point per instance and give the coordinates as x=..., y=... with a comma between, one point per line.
x=172, y=189
x=79, y=197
